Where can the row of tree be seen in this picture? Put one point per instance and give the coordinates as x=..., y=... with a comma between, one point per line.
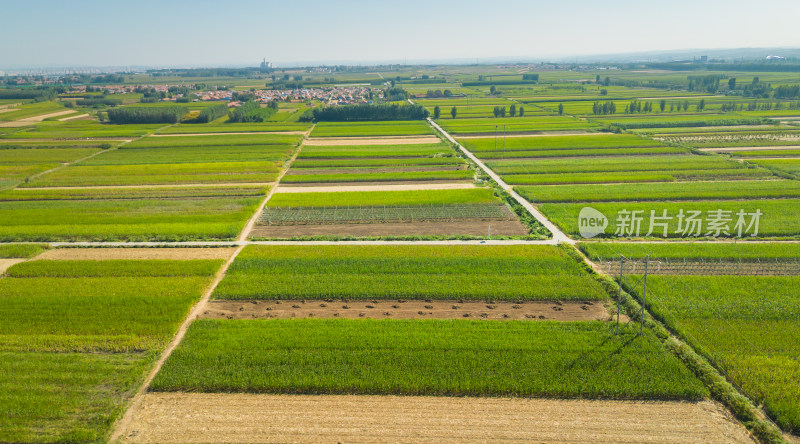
x=500, y=111
x=147, y=114
x=366, y=112
x=431, y=94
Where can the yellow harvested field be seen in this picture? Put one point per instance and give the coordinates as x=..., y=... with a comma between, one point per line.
x=250, y=418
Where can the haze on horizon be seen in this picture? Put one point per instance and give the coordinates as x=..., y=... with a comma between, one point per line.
x=183, y=33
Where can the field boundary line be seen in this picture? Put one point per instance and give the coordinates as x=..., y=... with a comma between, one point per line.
x=558, y=235
x=196, y=311
x=252, y=222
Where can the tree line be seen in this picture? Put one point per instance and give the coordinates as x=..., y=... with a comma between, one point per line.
x=145, y=114
x=366, y=112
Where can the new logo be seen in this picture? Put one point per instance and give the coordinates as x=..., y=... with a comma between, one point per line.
x=591, y=222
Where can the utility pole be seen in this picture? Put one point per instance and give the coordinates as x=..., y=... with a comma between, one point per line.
x=619, y=293
x=504, y=141
x=495, y=140
x=644, y=295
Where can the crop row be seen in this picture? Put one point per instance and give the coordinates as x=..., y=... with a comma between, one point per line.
x=371, y=214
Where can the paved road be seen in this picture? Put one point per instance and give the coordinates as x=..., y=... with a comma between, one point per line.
x=558, y=235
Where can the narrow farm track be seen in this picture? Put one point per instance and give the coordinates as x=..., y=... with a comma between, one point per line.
x=558, y=235
x=208, y=417
x=252, y=222
x=196, y=311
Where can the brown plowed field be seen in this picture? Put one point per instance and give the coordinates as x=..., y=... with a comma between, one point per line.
x=408, y=309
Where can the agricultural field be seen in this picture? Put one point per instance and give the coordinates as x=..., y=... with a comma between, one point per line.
x=620, y=173
x=152, y=188
x=71, y=355
x=403, y=163
x=408, y=272
x=468, y=212
x=377, y=259
x=739, y=322
x=424, y=357
x=516, y=125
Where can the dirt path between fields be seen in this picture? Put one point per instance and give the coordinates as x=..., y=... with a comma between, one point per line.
x=32, y=120
x=373, y=183
x=353, y=141
x=467, y=227
x=79, y=116
x=530, y=134
x=266, y=133
x=408, y=309
x=5, y=264
x=85, y=139
x=83, y=254
x=245, y=418
x=167, y=185
x=389, y=187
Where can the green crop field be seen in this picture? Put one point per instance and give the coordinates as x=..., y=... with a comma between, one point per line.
x=366, y=151
x=418, y=272
x=355, y=176
x=374, y=214
x=101, y=193
x=376, y=162
x=353, y=129
x=158, y=174
x=428, y=357
x=32, y=110
x=780, y=218
x=612, y=164
x=515, y=124
x=79, y=336
x=694, y=191
x=381, y=198
x=748, y=330
x=120, y=219
x=581, y=152
x=9, y=251
x=692, y=251
x=559, y=142
x=235, y=128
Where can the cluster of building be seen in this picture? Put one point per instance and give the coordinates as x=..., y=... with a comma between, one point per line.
x=342, y=95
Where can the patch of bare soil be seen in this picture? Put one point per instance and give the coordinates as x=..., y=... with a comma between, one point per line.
x=345, y=141
x=250, y=418
x=384, y=182
x=136, y=253
x=79, y=116
x=408, y=309
x=5, y=264
x=466, y=227
x=32, y=120
x=388, y=187
x=315, y=171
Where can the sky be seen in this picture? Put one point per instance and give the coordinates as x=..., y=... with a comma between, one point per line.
x=240, y=32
